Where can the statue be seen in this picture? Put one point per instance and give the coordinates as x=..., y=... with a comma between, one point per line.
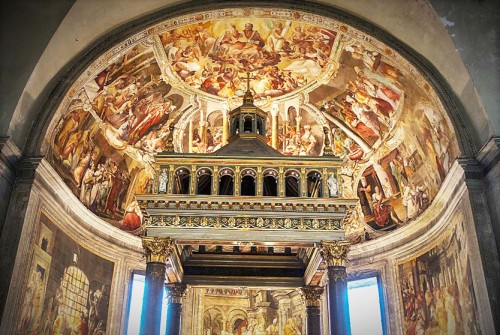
x=163, y=181
x=333, y=186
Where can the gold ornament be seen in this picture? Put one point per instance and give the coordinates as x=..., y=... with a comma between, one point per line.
x=157, y=249
x=334, y=253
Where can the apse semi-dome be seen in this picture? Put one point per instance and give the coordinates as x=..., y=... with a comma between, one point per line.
x=329, y=85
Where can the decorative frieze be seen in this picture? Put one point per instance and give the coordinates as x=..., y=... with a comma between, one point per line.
x=232, y=222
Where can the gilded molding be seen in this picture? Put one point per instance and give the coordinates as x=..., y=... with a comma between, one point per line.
x=334, y=253
x=157, y=249
x=312, y=295
x=176, y=292
x=232, y=222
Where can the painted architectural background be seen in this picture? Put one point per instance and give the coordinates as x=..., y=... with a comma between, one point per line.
x=436, y=288
x=68, y=287
x=242, y=311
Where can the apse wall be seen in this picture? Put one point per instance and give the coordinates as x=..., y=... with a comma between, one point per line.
x=76, y=269
x=425, y=268
x=431, y=272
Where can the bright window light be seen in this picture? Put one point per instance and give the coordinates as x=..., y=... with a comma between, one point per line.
x=135, y=312
x=364, y=306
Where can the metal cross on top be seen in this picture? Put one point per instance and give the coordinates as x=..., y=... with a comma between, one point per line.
x=248, y=78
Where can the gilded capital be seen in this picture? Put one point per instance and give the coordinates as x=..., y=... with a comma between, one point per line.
x=312, y=294
x=157, y=249
x=176, y=292
x=334, y=253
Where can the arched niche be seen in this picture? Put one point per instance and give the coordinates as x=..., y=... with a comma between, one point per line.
x=314, y=184
x=270, y=183
x=182, y=181
x=204, y=181
x=292, y=183
x=226, y=182
x=248, y=182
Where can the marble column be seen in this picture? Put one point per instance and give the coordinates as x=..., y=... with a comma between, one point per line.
x=274, y=127
x=312, y=295
x=335, y=256
x=157, y=251
x=175, y=294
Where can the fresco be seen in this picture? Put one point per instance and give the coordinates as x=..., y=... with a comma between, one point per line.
x=436, y=289
x=67, y=289
x=244, y=311
x=283, y=56
x=175, y=83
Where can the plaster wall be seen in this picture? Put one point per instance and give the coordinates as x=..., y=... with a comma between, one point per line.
x=451, y=211
x=413, y=22
x=49, y=195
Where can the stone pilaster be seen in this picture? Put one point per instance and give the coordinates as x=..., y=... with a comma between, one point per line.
x=335, y=256
x=157, y=251
x=482, y=239
x=175, y=295
x=312, y=296
x=14, y=221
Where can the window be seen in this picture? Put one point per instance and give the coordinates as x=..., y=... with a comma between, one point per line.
x=365, y=306
x=135, y=307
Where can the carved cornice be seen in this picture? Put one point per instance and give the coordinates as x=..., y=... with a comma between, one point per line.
x=334, y=253
x=163, y=204
x=489, y=155
x=26, y=168
x=157, y=249
x=176, y=292
x=312, y=294
x=472, y=169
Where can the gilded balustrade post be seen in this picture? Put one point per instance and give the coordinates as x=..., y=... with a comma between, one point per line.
x=335, y=255
x=274, y=127
x=175, y=294
x=312, y=295
x=157, y=251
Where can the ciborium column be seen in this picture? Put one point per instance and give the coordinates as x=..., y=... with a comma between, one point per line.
x=175, y=294
x=312, y=295
x=157, y=251
x=335, y=256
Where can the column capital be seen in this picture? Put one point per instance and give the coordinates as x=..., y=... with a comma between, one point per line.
x=312, y=294
x=334, y=253
x=176, y=292
x=157, y=249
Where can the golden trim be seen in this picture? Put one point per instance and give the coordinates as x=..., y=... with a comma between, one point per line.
x=334, y=253
x=157, y=249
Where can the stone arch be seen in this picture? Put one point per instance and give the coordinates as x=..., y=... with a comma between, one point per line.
x=82, y=61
